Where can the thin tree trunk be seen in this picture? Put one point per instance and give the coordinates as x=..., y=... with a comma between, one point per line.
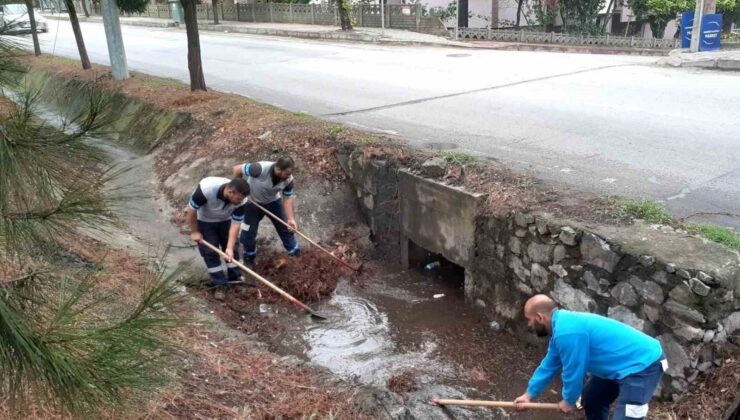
x=519, y=12
x=608, y=15
x=344, y=18
x=214, y=4
x=34, y=34
x=84, y=8
x=78, y=34
x=195, y=65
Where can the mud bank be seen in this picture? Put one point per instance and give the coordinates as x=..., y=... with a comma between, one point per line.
x=509, y=237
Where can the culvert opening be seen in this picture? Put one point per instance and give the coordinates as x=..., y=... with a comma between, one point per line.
x=436, y=266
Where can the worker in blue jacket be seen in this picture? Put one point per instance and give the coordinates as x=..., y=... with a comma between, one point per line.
x=625, y=365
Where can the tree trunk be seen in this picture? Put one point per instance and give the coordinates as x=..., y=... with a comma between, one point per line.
x=608, y=15
x=214, y=4
x=78, y=34
x=344, y=18
x=494, y=13
x=34, y=34
x=195, y=65
x=84, y=8
x=518, y=12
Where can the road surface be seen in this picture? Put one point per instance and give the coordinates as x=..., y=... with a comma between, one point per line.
x=603, y=123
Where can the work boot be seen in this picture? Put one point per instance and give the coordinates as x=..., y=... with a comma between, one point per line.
x=219, y=294
x=296, y=252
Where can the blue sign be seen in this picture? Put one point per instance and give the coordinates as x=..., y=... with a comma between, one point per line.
x=711, y=32
x=687, y=23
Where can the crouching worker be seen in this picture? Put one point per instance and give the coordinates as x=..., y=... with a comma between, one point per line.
x=271, y=186
x=625, y=364
x=215, y=211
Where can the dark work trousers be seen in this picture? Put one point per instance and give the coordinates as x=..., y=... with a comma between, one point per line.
x=217, y=234
x=252, y=218
x=632, y=394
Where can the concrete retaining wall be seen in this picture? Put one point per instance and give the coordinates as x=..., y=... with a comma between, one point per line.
x=681, y=289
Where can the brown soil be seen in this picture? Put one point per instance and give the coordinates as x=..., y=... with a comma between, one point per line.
x=711, y=399
x=215, y=375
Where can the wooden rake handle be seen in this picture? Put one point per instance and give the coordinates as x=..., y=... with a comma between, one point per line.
x=264, y=281
x=281, y=221
x=497, y=404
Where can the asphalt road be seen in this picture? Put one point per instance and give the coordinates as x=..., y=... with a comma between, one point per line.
x=608, y=124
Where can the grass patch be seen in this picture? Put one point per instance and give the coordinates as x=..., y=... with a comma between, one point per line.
x=647, y=210
x=716, y=233
x=653, y=212
x=335, y=130
x=367, y=141
x=456, y=158
x=158, y=81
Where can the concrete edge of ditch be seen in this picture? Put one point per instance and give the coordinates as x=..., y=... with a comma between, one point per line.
x=680, y=288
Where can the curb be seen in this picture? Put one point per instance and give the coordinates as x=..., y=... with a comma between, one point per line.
x=722, y=63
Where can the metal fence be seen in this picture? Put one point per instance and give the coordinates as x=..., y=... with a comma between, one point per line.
x=408, y=17
x=566, y=39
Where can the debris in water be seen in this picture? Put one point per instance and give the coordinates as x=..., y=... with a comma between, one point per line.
x=495, y=326
x=432, y=265
x=264, y=308
x=439, y=295
x=403, y=383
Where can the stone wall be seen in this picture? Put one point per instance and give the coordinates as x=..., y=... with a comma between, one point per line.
x=679, y=288
x=689, y=302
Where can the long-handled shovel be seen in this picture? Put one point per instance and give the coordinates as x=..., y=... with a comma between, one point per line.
x=497, y=404
x=267, y=283
x=339, y=260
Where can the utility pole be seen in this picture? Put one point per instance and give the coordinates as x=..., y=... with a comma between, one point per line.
x=116, y=52
x=382, y=17
x=457, y=17
x=696, y=28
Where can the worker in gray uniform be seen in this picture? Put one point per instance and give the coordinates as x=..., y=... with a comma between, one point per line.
x=271, y=186
x=215, y=211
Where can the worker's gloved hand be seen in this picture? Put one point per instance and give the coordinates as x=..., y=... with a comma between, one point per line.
x=230, y=255
x=565, y=407
x=293, y=225
x=524, y=398
x=196, y=237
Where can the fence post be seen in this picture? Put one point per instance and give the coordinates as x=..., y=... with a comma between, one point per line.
x=271, y=20
x=417, y=6
x=388, y=14
x=253, y=8
x=237, y=12
x=607, y=40
x=313, y=14
x=521, y=36
x=221, y=7
x=632, y=41
x=336, y=15
x=489, y=32
x=552, y=37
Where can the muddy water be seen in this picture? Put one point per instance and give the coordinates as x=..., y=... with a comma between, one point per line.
x=385, y=325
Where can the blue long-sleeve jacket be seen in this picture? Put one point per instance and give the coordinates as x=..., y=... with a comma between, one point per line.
x=587, y=343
